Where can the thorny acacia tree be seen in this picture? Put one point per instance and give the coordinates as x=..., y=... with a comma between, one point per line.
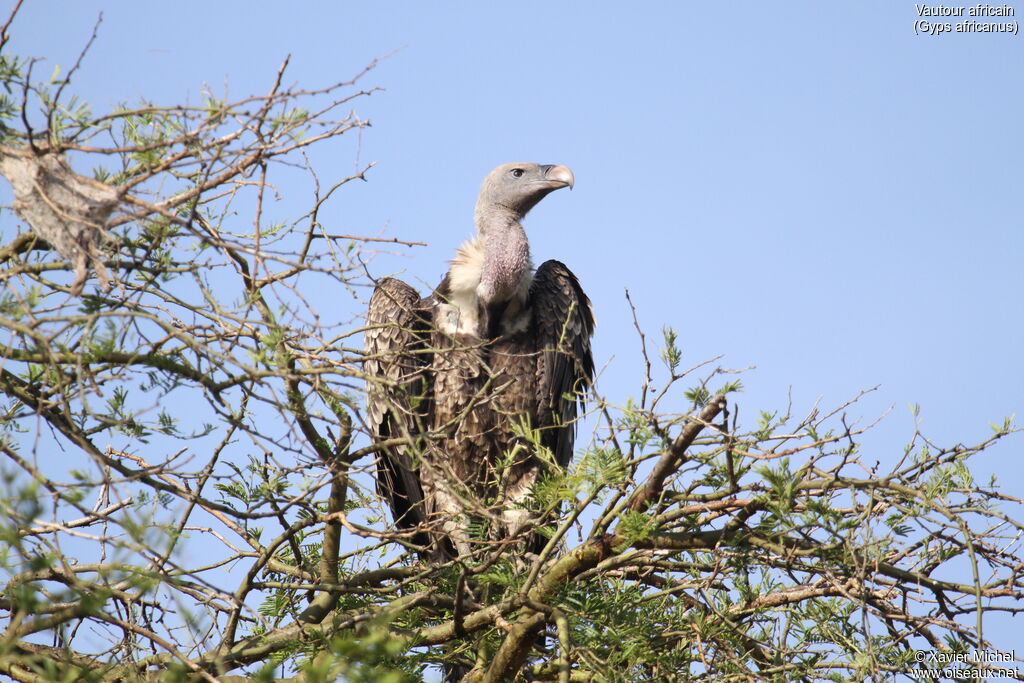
x=185, y=470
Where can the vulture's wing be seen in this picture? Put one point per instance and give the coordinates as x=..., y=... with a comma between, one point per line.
x=563, y=324
x=398, y=393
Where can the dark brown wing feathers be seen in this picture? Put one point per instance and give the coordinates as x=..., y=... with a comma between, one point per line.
x=398, y=393
x=563, y=324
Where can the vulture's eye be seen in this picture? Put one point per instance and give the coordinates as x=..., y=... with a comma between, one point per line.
x=517, y=173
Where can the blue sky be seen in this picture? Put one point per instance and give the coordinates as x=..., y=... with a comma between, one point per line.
x=805, y=187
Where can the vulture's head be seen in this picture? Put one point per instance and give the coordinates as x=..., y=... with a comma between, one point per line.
x=515, y=188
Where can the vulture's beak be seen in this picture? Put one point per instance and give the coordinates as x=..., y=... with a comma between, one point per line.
x=559, y=176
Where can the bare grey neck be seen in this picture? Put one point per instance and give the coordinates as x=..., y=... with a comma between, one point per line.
x=506, y=254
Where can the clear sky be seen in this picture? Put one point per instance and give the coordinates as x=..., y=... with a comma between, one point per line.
x=805, y=187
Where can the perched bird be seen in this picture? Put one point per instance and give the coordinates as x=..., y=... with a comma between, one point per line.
x=473, y=391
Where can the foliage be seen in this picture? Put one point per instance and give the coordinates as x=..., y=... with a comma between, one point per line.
x=185, y=477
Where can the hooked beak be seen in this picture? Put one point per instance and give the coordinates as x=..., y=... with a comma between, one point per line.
x=559, y=176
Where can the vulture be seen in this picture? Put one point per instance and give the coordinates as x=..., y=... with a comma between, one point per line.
x=473, y=391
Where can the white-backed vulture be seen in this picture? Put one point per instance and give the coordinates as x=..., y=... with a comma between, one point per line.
x=456, y=377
